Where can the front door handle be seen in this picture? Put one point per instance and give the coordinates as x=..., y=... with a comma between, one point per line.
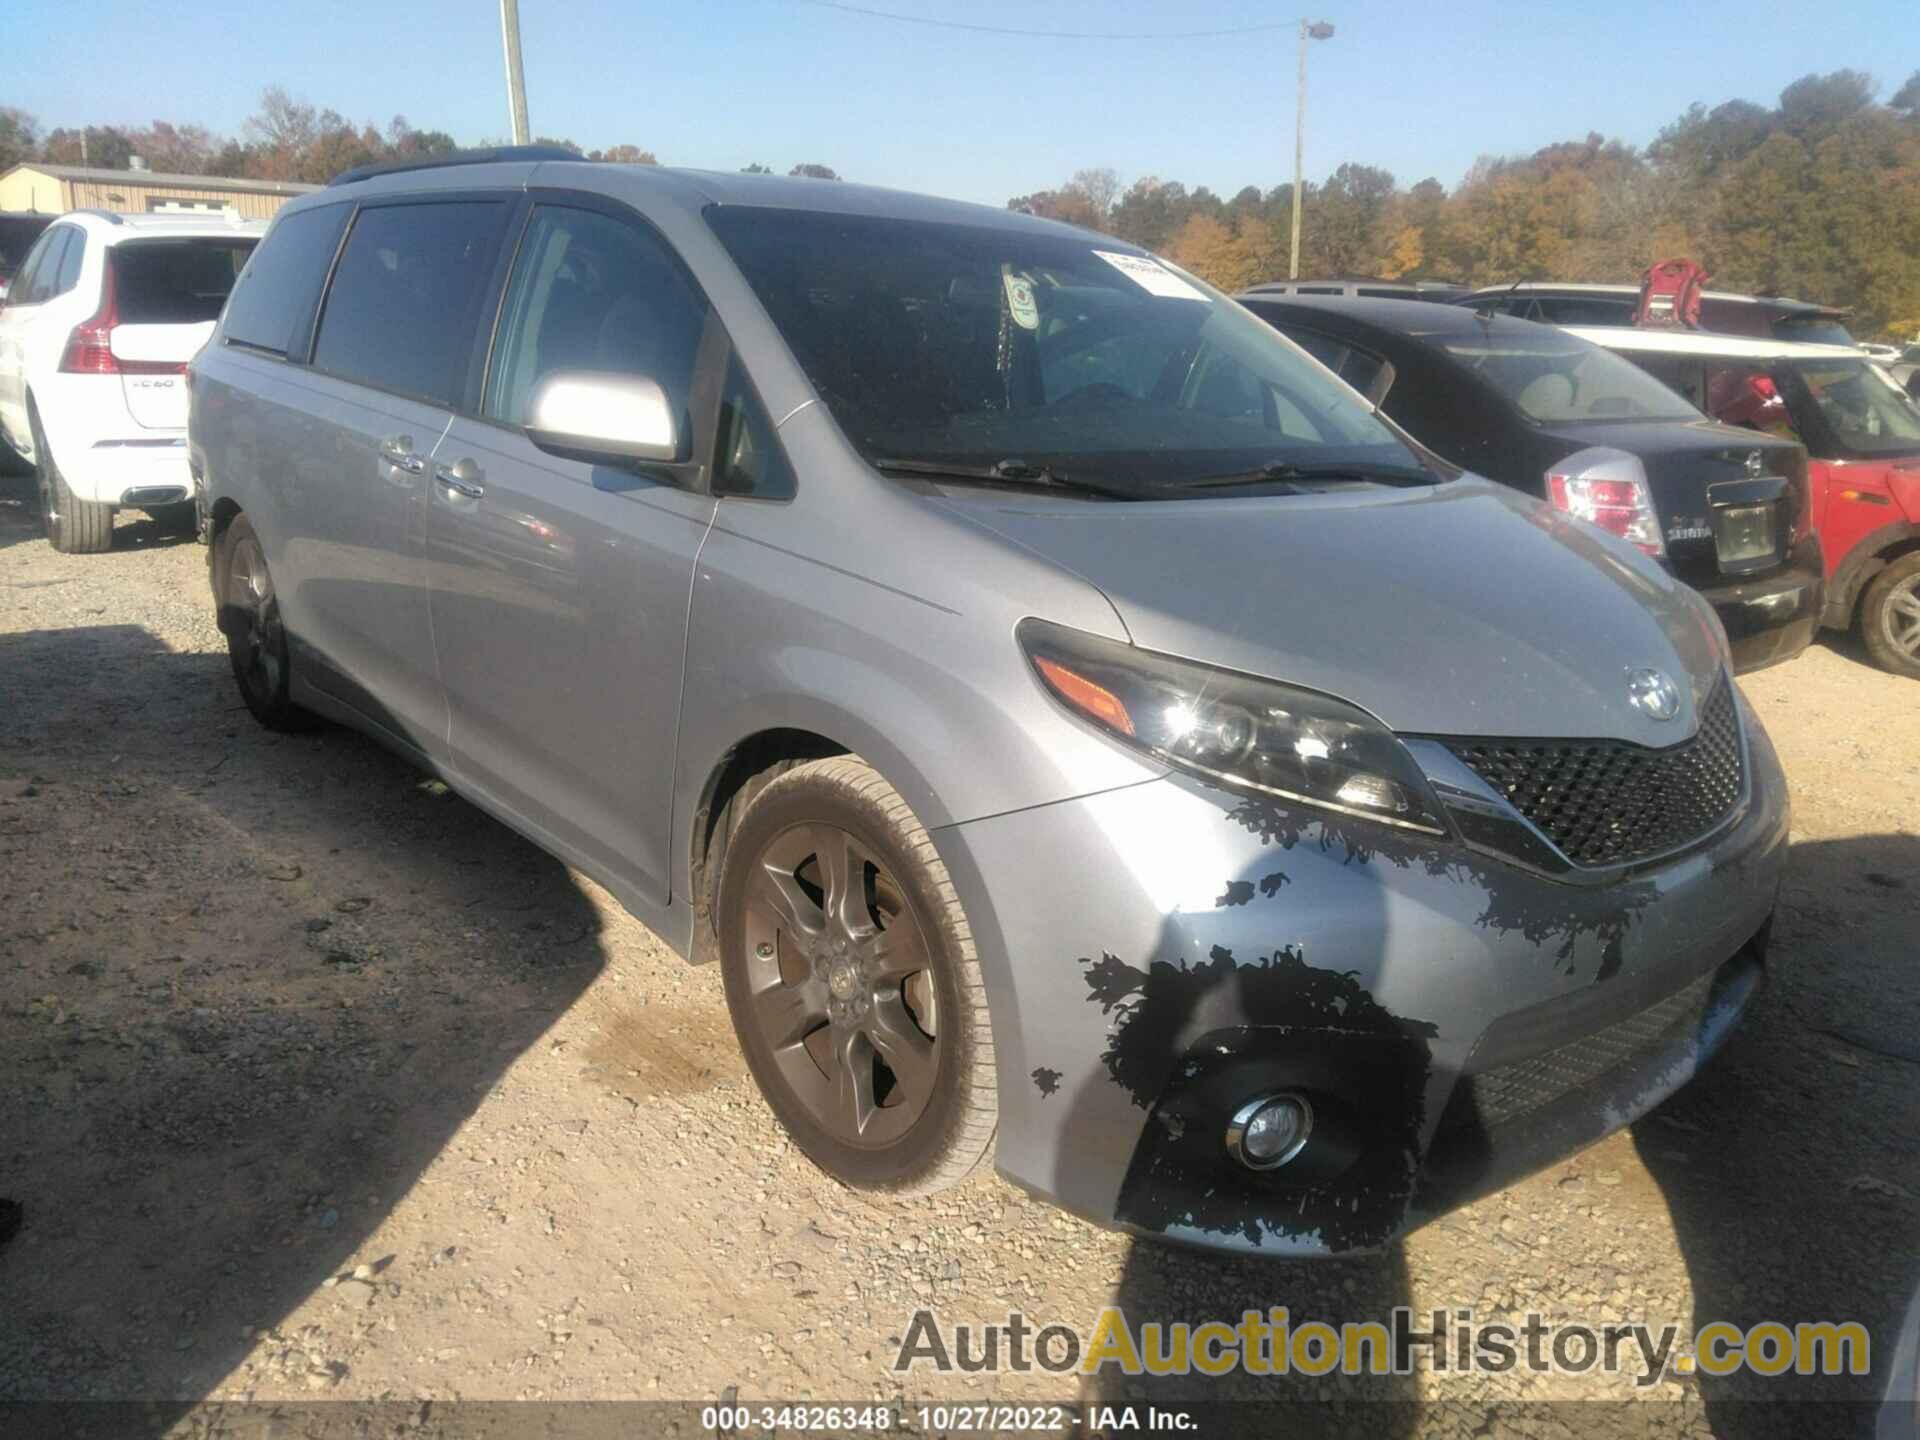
x=462, y=477
x=397, y=451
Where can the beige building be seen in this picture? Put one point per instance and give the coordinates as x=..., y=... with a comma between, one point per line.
x=55, y=189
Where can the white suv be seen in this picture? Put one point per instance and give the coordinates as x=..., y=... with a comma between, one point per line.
x=95, y=336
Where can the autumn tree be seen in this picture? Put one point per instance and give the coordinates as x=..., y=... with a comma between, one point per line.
x=19, y=137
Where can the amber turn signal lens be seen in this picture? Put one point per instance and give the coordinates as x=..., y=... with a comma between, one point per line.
x=1084, y=695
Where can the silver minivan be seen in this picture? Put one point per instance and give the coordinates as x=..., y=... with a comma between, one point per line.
x=1088, y=737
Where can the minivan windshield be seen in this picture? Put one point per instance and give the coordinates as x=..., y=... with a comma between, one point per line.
x=1024, y=354
x=1561, y=379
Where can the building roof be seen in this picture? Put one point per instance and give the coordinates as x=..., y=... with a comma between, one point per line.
x=96, y=175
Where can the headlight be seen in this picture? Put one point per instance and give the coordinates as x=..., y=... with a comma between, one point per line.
x=1255, y=735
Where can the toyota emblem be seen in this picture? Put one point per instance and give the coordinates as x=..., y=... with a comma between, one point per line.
x=1653, y=694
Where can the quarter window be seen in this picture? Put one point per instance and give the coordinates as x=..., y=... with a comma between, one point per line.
x=70, y=258
x=591, y=292
x=405, y=301
x=272, y=303
x=748, y=460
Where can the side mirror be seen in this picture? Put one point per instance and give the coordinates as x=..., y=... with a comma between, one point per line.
x=603, y=418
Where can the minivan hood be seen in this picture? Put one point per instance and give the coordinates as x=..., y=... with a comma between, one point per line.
x=1465, y=609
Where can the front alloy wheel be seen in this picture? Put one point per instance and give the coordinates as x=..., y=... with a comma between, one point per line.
x=852, y=981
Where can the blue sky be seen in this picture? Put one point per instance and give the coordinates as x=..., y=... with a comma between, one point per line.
x=1420, y=89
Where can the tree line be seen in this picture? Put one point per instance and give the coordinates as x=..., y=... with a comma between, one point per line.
x=287, y=138
x=1817, y=197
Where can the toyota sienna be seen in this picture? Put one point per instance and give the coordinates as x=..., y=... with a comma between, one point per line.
x=1087, y=737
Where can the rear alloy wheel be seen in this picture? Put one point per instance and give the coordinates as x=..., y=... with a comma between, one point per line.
x=1890, y=617
x=249, y=616
x=852, y=982
x=73, y=526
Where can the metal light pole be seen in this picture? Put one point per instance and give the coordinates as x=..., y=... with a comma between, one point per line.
x=1309, y=30
x=517, y=81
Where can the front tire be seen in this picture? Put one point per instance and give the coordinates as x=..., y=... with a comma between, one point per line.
x=73, y=526
x=249, y=616
x=853, y=984
x=1890, y=617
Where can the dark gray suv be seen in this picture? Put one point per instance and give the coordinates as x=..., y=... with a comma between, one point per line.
x=1086, y=735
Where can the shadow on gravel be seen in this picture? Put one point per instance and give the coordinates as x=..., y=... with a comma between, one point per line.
x=1791, y=1165
x=251, y=985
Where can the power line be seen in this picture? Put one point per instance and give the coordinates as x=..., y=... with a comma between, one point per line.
x=1047, y=34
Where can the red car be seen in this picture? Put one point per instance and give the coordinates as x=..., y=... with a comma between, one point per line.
x=1862, y=433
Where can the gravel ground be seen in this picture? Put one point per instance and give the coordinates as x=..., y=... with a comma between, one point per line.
x=317, y=1083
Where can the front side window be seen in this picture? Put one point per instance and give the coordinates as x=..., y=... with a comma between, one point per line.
x=176, y=282
x=1864, y=408
x=1559, y=379
x=404, y=305
x=273, y=300
x=591, y=292
x=976, y=345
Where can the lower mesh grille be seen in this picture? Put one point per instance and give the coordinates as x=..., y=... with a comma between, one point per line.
x=1507, y=1092
x=1606, y=802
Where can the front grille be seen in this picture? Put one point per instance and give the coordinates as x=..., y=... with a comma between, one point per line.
x=1507, y=1092
x=1607, y=802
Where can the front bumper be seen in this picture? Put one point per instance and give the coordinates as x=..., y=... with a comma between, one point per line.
x=1158, y=954
x=1769, y=620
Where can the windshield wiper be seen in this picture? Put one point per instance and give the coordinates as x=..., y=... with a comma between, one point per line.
x=1004, y=472
x=1358, y=470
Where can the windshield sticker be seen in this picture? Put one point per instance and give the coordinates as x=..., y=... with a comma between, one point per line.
x=1151, y=276
x=1026, y=311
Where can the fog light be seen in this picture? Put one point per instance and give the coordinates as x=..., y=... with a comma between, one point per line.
x=1265, y=1134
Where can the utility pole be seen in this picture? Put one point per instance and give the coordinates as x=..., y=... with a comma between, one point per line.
x=1309, y=30
x=516, y=80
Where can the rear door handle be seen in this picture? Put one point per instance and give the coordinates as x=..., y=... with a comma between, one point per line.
x=462, y=477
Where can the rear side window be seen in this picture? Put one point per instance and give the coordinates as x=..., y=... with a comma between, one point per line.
x=175, y=282
x=37, y=276
x=404, y=304
x=274, y=298
x=1582, y=310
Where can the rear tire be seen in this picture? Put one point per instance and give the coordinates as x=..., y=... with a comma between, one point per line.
x=249, y=616
x=853, y=983
x=1890, y=617
x=73, y=526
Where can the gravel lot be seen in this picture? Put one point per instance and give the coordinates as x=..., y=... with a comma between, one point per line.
x=315, y=1082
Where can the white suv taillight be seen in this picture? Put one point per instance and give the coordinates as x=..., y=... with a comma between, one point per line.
x=90, y=343
x=1608, y=488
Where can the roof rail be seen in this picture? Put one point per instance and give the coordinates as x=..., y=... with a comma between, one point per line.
x=107, y=215
x=498, y=154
